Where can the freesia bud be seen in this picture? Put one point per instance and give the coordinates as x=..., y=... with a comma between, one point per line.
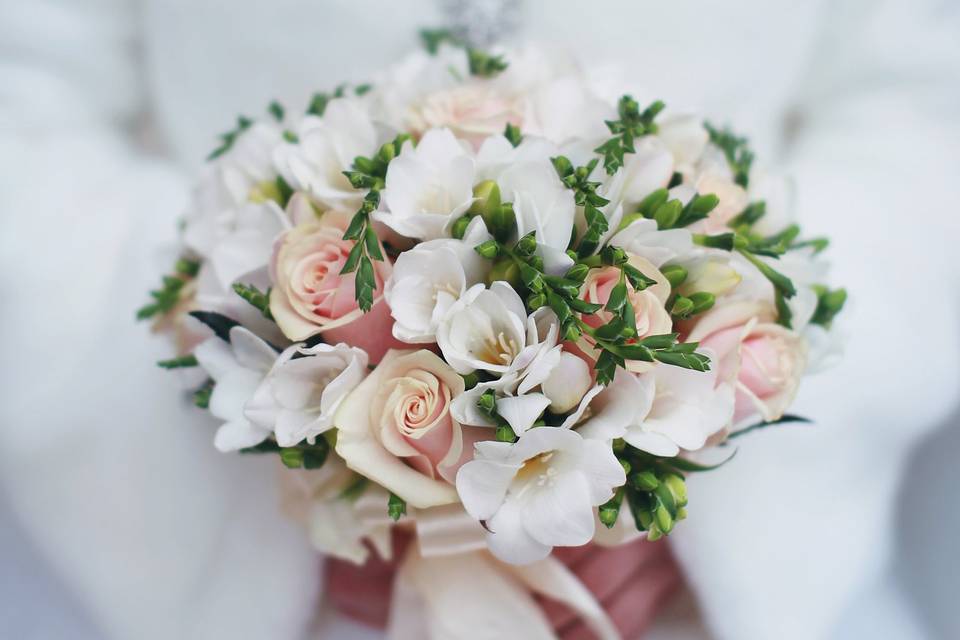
x=567, y=383
x=712, y=276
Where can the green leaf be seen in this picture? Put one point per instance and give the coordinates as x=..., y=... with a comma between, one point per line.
x=353, y=259
x=230, y=137
x=661, y=341
x=365, y=284
x=781, y=283
x=433, y=38
x=276, y=110
x=483, y=64
x=179, y=362
x=260, y=300
x=784, y=419
x=682, y=464
x=218, y=323
x=738, y=154
x=784, y=315
x=695, y=361
x=829, y=304
x=618, y=296
x=372, y=244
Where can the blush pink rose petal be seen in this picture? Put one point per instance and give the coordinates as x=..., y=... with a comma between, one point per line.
x=396, y=428
x=311, y=296
x=766, y=359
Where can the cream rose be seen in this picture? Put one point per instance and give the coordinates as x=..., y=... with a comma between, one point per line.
x=649, y=308
x=397, y=430
x=765, y=359
x=311, y=296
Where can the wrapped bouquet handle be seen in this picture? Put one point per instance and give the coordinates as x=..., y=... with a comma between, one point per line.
x=584, y=592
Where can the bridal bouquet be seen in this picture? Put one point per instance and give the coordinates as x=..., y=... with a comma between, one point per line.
x=490, y=300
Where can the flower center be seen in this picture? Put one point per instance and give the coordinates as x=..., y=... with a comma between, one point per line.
x=499, y=349
x=538, y=472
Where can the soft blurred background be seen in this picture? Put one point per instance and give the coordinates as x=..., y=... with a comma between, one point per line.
x=119, y=520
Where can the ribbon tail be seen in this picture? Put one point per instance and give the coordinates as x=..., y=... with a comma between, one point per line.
x=551, y=578
x=462, y=597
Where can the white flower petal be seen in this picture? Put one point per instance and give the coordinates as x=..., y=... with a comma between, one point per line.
x=482, y=486
x=251, y=352
x=521, y=412
x=561, y=514
x=238, y=434
x=567, y=383
x=509, y=541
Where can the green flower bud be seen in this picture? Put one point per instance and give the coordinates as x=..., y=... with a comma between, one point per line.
x=527, y=244
x=663, y=519
x=654, y=533
x=677, y=487
x=460, y=227
x=505, y=434
x=536, y=301
x=387, y=152
x=702, y=300
x=505, y=269
x=610, y=510
x=682, y=307
x=577, y=272
x=291, y=457
x=667, y=214
x=675, y=274
x=489, y=249
x=645, y=480
x=629, y=219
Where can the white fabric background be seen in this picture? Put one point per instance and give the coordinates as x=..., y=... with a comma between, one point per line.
x=119, y=519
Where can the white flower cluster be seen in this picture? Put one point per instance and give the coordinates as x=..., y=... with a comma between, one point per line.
x=563, y=296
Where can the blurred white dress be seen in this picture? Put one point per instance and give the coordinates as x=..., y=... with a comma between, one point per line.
x=105, y=109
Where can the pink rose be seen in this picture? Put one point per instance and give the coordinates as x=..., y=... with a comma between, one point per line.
x=765, y=358
x=649, y=308
x=311, y=296
x=473, y=112
x=396, y=428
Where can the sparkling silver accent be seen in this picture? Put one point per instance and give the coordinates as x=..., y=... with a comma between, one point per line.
x=482, y=22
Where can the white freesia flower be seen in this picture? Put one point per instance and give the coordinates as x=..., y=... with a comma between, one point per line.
x=248, y=245
x=429, y=278
x=488, y=329
x=337, y=522
x=229, y=183
x=428, y=186
x=325, y=150
x=564, y=108
x=237, y=369
x=299, y=396
x=684, y=136
x=663, y=411
x=543, y=205
x=538, y=492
